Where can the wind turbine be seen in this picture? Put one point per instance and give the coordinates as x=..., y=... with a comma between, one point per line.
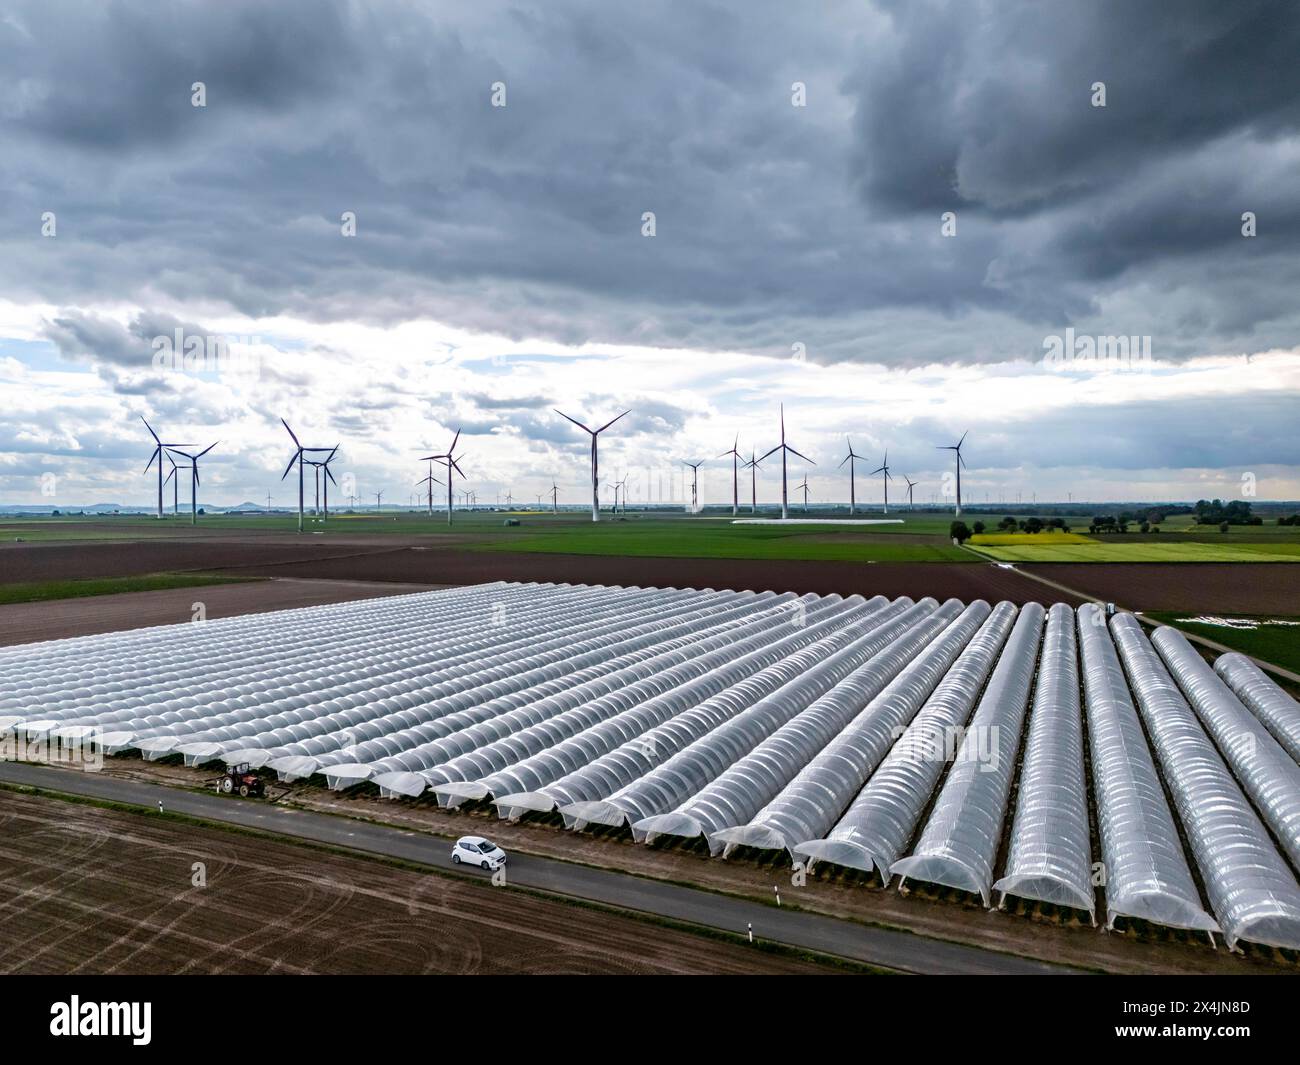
x=194, y=479
x=785, y=448
x=910, y=486
x=695, y=483
x=960, y=463
x=329, y=476
x=623, y=485
x=555, y=498
x=595, y=467
x=735, y=459
x=176, y=486
x=159, y=448
x=431, y=480
x=448, y=458
x=299, y=458
x=753, y=466
x=379, y=496
x=803, y=488
x=852, y=459
x=884, y=468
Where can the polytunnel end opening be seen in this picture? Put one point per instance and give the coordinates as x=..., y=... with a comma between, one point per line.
x=579, y=815
x=945, y=872
x=648, y=829
x=837, y=852
x=1048, y=889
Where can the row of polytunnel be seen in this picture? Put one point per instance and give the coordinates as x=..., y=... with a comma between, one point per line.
x=1055, y=755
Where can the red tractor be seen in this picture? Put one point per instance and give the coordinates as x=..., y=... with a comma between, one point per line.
x=242, y=779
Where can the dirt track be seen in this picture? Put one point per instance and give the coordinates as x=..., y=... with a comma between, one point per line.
x=89, y=890
x=1244, y=587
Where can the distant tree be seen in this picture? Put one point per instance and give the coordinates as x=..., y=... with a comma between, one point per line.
x=958, y=531
x=54, y=513
x=1224, y=526
x=1145, y=527
x=978, y=527
x=1034, y=525
x=1155, y=528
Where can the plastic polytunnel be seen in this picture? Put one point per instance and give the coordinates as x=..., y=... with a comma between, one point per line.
x=1050, y=858
x=1251, y=889
x=960, y=841
x=718, y=739
x=547, y=751
x=1265, y=771
x=612, y=754
x=882, y=819
x=814, y=797
x=742, y=789
x=1146, y=872
x=1279, y=713
x=542, y=714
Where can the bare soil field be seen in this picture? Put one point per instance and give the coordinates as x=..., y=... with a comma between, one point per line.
x=1254, y=588
x=60, y=618
x=89, y=890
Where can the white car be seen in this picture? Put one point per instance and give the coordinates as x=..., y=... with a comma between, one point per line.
x=475, y=850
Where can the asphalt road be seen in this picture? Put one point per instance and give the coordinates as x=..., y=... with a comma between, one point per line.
x=879, y=947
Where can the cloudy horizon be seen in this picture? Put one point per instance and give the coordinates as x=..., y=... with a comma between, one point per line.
x=892, y=218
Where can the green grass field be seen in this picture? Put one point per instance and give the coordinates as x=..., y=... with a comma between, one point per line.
x=703, y=538
x=43, y=591
x=1279, y=644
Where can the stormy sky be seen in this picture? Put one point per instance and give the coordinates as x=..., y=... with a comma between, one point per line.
x=878, y=213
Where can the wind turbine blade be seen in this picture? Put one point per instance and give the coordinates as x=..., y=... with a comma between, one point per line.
x=196, y=474
x=290, y=432
x=612, y=421
x=800, y=454
x=207, y=449
x=762, y=457
x=843, y=461
x=878, y=469
x=150, y=428
x=330, y=474
x=574, y=420
x=296, y=456
x=170, y=475
x=456, y=466
x=153, y=456
x=454, y=440
x=963, y=438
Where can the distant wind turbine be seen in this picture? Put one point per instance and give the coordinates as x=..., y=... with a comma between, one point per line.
x=299, y=456
x=735, y=459
x=910, y=486
x=318, y=466
x=595, y=465
x=159, y=449
x=884, y=468
x=555, y=498
x=753, y=467
x=852, y=459
x=785, y=449
x=960, y=463
x=803, y=488
x=194, y=478
x=176, y=486
x=431, y=480
x=695, y=482
x=379, y=497
x=450, y=460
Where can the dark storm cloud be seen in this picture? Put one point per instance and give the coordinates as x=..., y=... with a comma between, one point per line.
x=776, y=224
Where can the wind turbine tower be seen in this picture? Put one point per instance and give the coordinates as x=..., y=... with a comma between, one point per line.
x=595, y=465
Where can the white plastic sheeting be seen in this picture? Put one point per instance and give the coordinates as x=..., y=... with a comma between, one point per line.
x=1050, y=856
x=546, y=752
x=1262, y=696
x=960, y=840
x=882, y=819
x=809, y=804
x=719, y=735
x=739, y=791
x=1146, y=872
x=1265, y=771
x=1252, y=891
